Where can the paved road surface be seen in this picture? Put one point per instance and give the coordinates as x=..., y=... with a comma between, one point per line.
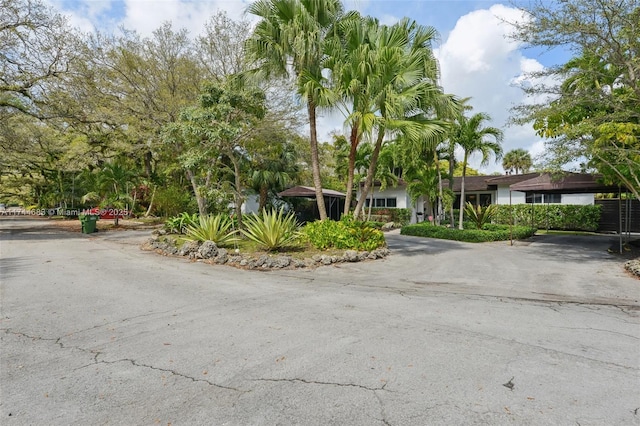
x=96, y=332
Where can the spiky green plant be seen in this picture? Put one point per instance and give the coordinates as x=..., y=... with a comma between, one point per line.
x=480, y=215
x=216, y=228
x=273, y=230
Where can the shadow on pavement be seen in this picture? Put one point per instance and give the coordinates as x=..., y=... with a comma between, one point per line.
x=577, y=247
x=406, y=245
x=13, y=266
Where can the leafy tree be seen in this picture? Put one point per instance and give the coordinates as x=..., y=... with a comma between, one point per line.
x=217, y=129
x=517, y=160
x=593, y=112
x=35, y=49
x=471, y=136
x=289, y=38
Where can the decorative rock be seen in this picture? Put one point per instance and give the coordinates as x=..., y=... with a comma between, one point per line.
x=188, y=248
x=317, y=258
x=388, y=226
x=350, y=256
x=325, y=260
x=222, y=256
x=208, y=250
x=281, y=262
x=633, y=266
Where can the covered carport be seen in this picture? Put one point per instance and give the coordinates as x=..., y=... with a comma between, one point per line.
x=574, y=183
x=303, y=199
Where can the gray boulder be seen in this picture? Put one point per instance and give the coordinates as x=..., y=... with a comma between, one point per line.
x=208, y=250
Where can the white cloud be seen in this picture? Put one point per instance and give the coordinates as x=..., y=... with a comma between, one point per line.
x=480, y=61
x=145, y=16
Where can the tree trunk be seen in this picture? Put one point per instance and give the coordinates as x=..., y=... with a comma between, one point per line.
x=237, y=196
x=352, y=166
x=315, y=161
x=452, y=166
x=202, y=202
x=153, y=195
x=264, y=190
x=437, y=212
x=370, y=173
x=464, y=172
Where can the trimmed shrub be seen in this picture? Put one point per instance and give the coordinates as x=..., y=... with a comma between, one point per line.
x=402, y=216
x=489, y=232
x=272, y=230
x=567, y=217
x=346, y=234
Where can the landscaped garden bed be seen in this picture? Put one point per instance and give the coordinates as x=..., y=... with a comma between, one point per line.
x=269, y=240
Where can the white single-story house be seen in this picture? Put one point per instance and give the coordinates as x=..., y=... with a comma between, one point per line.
x=570, y=188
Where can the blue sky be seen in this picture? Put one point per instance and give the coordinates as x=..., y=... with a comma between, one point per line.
x=477, y=58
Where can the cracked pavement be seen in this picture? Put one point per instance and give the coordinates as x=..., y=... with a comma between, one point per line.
x=95, y=331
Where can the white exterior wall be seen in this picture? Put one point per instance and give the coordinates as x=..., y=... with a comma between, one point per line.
x=517, y=197
x=581, y=199
x=403, y=201
x=251, y=204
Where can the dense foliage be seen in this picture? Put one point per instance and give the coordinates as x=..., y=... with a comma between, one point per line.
x=344, y=234
x=588, y=108
x=550, y=216
x=487, y=233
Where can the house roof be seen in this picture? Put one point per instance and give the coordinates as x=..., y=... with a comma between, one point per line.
x=566, y=183
x=309, y=192
x=511, y=179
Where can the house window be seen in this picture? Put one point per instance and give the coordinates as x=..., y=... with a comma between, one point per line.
x=553, y=198
x=544, y=198
x=381, y=202
x=485, y=200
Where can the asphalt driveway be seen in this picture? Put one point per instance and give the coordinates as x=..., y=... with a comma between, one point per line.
x=95, y=331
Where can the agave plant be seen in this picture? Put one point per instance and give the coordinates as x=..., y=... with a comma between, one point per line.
x=272, y=230
x=216, y=228
x=480, y=215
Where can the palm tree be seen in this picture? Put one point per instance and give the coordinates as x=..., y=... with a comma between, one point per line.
x=469, y=134
x=289, y=40
x=350, y=59
x=518, y=160
x=404, y=86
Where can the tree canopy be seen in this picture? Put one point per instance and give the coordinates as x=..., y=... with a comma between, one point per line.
x=591, y=110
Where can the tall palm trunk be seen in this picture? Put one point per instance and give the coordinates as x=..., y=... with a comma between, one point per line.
x=352, y=166
x=371, y=172
x=437, y=210
x=464, y=173
x=315, y=161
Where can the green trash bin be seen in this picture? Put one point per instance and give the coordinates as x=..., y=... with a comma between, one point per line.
x=89, y=222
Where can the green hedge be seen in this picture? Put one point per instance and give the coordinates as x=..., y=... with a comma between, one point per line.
x=402, y=216
x=567, y=217
x=489, y=232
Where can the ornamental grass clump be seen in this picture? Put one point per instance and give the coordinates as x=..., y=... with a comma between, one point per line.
x=217, y=228
x=479, y=215
x=272, y=230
